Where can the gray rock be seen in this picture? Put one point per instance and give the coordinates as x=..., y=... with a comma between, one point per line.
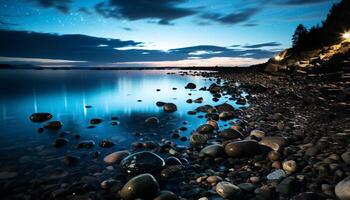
x=342, y=189
x=230, y=134
x=228, y=190
x=214, y=150
x=346, y=157
x=276, y=175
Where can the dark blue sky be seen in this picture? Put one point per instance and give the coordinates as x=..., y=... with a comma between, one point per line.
x=151, y=32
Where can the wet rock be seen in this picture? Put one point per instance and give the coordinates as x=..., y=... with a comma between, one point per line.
x=276, y=175
x=273, y=155
x=70, y=160
x=342, y=189
x=173, y=161
x=230, y=134
x=213, y=123
x=257, y=133
x=170, y=107
x=86, y=144
x=95, y=121
x=205, y=129
x=152, y=120
x=166, y=195
x=60, y=142
x=197, y=139
x=54, y=125
x=228, y=190
x=225, y=107
x=190, y=86
x=226, y=115
x=275, y=143
x=243, y=148
x=142, y=162
x=346, y=157
x=107, y=184
x=287, y=186
x=150, y=145
x=198, y=100
x=106, y=144
x=160, y=103
x=214, y=151
x=40, y=117
x=214, y=179
x=115, y=157
x=143, y=186
x=290, y=166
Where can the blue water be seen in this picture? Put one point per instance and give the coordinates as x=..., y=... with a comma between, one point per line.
x=65, y=94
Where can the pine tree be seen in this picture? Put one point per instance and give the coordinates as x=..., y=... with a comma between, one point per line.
x=299, y=36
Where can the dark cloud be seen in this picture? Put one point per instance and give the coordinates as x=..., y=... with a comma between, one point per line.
x=61, y=5
x=233, y=18
x=250, y=24
x=300, y=2
x=268, y=44
x=4, y=24
x=92, y=49
x=164, y=11
x=127, y=29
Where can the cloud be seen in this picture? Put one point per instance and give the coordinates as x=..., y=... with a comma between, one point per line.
x=164, y=11
x=267, y=44
x=101, y=50
x=233, y=18
x=4, y=24
x=300, y=2
x=85, y=11
x=61, y=5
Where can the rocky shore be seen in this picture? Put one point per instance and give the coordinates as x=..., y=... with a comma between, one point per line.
x=291, y=142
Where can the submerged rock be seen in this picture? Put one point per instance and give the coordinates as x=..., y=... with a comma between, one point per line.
x=225, y=107
x=228, y=190
x=60, y=142
x=169, y=107
x=142, y=162
x=190, y=86
x=152, y=120
x=54, y=125
x=70, y=160
x=106, y=144
x=205, y=129
x=143, y=186
x=40, y=117
x=243, y=148
x=95, y=121
x=86, y=144
x=115, y=157
x=197, y=139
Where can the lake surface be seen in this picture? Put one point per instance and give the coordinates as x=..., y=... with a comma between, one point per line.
x=130, y=96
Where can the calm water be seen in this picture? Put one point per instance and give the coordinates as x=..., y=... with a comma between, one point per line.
x=110, y=93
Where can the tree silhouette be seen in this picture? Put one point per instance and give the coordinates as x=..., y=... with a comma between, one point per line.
x=299, y=36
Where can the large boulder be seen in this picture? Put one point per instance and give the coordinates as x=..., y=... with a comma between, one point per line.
x=143, y=186
x=142, y=162
x=244, y=148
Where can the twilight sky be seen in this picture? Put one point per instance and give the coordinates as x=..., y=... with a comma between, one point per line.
x=151, y=32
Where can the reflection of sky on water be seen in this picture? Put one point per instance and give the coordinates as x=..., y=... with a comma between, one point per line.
x=110, y=93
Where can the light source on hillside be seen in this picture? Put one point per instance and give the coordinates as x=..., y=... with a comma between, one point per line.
x=278, y=58
x=346, y=35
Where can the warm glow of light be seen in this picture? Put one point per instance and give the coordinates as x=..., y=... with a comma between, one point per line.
x=278, y=58
x=346, y=35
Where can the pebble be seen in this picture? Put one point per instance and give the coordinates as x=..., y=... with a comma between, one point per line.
x=169, y=107
x=143, y=186
x=243, y=148
x=190, y=86
x=54, y=125
x=152, y=120
x=257, y=133
x=276, y=175
x=7, y=175
x=289, y=166
x=106, y=144
x=214, y=151
x=197, y=139
x=115, y=157
x=166, y=195
x=86, y=144
x=342, y=189
x=274, y=142
x=95, y=121
x=228, y=190
x=142, y=162
x=60, y=142
x=40, y=117
x=230, y=134
x=205, y=129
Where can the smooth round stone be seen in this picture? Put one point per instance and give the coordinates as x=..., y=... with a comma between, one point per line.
x=198, y=100
x=160, y=103
x=106, y=144
x=143, y=186
x=214, y=150
x=275, y=143
x=171, y=161
x=86, y=144
x=190, y=86
x=342, y=189
x=243, y=148
x=170, y=107
x=205, y=129
x=197, y=139
x=60, y=142
x=106, y=184
x=225, y=107
x=115, y=157
x=228, y=190
x=214, y=179
x=95, y=121
x=276, y=175
x=230, y=134
x=142, y=162
x=273, y=156
x=257, y=133
x=289, y=166
x=226, y=115
x=346, y=157
x=165, y=195
x=54, y=125
x=40, y=117
x=152, y=120
x=213, y=123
